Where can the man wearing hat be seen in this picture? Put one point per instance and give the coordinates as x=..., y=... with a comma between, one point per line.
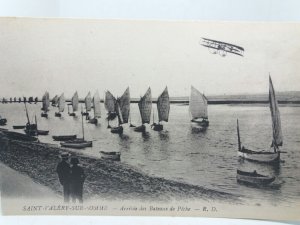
x=64, y=172
x=77, y=180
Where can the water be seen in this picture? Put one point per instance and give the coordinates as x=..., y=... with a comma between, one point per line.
x=208, y=159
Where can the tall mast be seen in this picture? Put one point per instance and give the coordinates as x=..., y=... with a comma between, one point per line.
x=238, y=133
x=27, y=113
x=82, y=124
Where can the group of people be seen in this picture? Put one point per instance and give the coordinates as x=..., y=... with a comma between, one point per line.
x=71, y=176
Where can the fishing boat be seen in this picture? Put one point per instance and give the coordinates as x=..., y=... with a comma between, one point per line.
x=110, y=106
x=253, y=178
x=273, y=154
x=96, y=108
x=77, y=143
x=3, y=121
x=198, y=108
x=45, y=105
x=64, y=137
x=145, y=107
x=60, y=105
x=163, y=109
x=114, y=156
x=88, y=105
x=54, y=101
x=74, y=103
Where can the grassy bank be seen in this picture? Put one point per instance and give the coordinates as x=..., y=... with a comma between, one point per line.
x=105, y=179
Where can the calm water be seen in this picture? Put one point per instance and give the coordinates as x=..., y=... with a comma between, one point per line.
x=208, y=159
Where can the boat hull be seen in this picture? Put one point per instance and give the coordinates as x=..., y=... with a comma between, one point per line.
x=202, y=123
x=157, y=127
x=117, y=130
x=57, y=114
x=3, y=121
x=42, y=132
x=18, y=127
x=253, y=178
x=141, y=128
x=77, y=144
x=115, y=156
x=260, y=157
x=72, y=114
x=64, y=137
x=44, y=115
x=93, y=121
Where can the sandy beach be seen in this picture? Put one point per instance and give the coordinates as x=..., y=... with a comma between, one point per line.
x=105, y=179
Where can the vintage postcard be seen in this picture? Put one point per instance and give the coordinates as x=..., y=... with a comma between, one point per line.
x=156, y=118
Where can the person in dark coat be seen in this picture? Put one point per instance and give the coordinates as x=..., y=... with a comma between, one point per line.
x=77, y=180
x=63, y=170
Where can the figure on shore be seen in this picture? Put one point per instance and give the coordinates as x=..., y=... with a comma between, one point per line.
x=64, y=172
x=77, y=180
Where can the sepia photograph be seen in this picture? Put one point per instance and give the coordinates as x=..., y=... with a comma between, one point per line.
x=152, y=118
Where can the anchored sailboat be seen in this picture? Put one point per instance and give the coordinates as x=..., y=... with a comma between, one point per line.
x=145, y=107
x=163, y=108
x=74, y=103
x=198, y=108
x=45, y=105
x=96, y=107
x=88, y=104
x=110, y=105
x=54, y=101
x=266, y=156
x=61, y=105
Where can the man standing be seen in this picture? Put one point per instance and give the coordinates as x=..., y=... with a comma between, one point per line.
x=64, y=171
x=77, y=180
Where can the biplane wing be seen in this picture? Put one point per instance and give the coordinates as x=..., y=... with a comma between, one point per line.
x=222, y=47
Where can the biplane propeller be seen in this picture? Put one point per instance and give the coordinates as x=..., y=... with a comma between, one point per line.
x=221, y=48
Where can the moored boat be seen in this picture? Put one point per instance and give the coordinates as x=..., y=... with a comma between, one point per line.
x=110, y=106
x=16, y=127
x=60, y=105
x=198, y=108
x=54, y=101
x=88, y=105
x=3, y=121
x=74, y=103
x=115, y=156
x=145, y=107
x=273, y=155
x=45, y=105
x=163, y=109
x=64, y=137
x=253, y=178
x=96, y=109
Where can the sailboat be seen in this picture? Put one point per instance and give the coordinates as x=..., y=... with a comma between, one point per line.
x=198, y=108
x=163, y=108
x=61, y=105
x=272, y=156
x=122, y=110
x=88, y=104
x=74, y=103
x=78, y=143
x=3, y=121
x=96, y=107
x=54, y=101
x=31, y=128
x=145, y=107
x=110, y=105
x=45, y=105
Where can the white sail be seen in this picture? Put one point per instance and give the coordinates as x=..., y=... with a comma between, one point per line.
x=45, y=102
x=145, y=106
x=124, y=104
x=110, y=102
x=198, y=104
x=61, y=103
x=96, y=105
x=276, y=122
x=163, y=106
x=88, y=102
x=75, y=102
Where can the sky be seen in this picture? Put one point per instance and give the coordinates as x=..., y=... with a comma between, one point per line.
x=68, y=55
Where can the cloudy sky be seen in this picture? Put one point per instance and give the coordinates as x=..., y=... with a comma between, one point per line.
x=64, y=55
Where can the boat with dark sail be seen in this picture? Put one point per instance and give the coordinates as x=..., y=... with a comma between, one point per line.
x=54, y=101
x=273, y=154
x=96, y=109
x=145, y=107
x=60, y=105
x=45, y=105
x=88, y=105
x=74, y=103
x=163, y=109
x=198, y=108
x=253, y=178
x=78, y=143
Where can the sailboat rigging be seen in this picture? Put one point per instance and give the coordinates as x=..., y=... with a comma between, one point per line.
x=198, y=108
x=96, y=108
x=60, y=105
x=145, y=107
x=110, y=105
x=74, y=103
x=277, y=140
x=88, y=104
x=163, y=108
x=45, y=104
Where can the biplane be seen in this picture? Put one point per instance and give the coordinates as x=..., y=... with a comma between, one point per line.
x=222, y=48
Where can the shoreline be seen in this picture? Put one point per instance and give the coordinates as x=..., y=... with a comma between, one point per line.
x=105, y=179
